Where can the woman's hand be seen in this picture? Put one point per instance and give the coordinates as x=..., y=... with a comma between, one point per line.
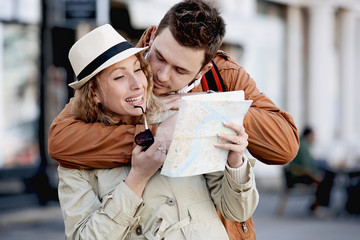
x=236, y=144
x=144, y=165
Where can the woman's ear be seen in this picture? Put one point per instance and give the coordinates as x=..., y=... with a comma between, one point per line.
x=98, y=102
x=96, y=97
x=96, y=90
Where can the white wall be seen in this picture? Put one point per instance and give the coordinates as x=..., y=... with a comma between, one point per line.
x=1, y=94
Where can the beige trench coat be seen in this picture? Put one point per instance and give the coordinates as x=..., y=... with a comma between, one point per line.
x=97, y=204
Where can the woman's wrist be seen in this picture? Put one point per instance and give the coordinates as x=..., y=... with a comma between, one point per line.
x=239, y=174
x=136, y=182
x=238, y=163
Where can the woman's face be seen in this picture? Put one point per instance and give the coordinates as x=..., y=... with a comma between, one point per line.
x=122, y=86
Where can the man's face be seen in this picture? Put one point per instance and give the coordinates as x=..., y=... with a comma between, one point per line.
x=173, y=66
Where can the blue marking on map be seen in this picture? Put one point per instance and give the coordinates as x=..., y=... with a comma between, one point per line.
x=196, y=148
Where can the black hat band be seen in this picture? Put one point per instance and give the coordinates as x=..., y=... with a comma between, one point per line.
x=97, y=62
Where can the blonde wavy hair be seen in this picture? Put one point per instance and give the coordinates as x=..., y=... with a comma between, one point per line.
x=85, y=108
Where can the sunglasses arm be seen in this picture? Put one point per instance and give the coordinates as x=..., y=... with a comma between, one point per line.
x=146, y=125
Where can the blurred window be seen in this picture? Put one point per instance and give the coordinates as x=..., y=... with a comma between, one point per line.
x=19, y=95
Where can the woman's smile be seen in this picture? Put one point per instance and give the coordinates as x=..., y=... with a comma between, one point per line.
x=136, y=99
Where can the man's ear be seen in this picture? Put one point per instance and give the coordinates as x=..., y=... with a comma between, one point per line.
x=152, y=36
x=206, y=68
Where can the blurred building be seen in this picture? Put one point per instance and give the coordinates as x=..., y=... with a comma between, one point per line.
x=19, y=91
x=302, y=53
x=322, y=51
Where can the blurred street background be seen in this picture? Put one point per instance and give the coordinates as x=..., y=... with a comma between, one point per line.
x=303, y=54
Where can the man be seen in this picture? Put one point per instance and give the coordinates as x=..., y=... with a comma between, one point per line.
x=307, y=170
x=181, y=50
x=303, y=166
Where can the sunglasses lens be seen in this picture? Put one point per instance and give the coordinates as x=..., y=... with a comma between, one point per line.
x=144, y=138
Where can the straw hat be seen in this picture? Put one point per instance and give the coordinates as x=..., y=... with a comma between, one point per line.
x=97, y=50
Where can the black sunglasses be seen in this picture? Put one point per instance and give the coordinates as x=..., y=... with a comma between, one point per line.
x=144, y=138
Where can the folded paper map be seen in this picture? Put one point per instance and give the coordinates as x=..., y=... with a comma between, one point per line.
x=200, y=120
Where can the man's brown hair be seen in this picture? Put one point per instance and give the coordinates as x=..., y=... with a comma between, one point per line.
x=195, y=24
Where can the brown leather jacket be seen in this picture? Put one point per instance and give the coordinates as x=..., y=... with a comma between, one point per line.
x=273, y=136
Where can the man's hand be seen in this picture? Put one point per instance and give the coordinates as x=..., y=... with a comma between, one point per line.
x=165, y=131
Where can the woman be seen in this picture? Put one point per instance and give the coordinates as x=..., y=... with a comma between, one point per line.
x=134, y=201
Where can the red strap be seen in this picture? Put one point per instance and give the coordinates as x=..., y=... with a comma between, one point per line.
x=204, y=83
x=212, y=80
x=217, y=81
